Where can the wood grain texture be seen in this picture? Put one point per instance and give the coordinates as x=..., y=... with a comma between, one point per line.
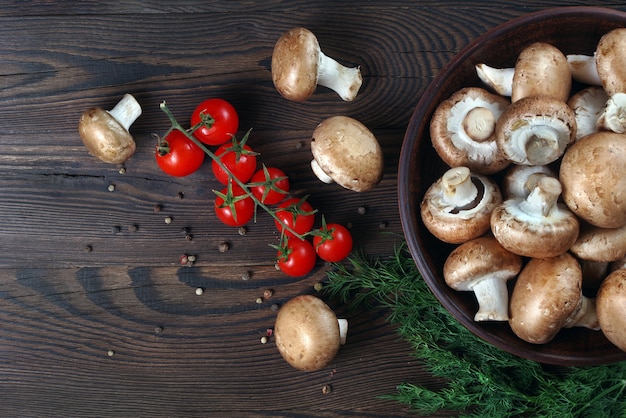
x=176, y=354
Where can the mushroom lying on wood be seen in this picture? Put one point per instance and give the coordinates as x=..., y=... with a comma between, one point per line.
x=346, y=152
x=105, y=133
x=298, y=66
x=483, y=266
x=593, y=175
x=535, y=130
x=611, y=307
x=536, y=226
x=462, y=130
x=547, y=297
x=308, y=334
x=458, y=206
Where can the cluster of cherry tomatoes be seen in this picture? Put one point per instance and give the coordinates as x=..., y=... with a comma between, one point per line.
x=214, y=122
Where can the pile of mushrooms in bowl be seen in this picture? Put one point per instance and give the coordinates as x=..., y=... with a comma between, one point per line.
x=564, y=177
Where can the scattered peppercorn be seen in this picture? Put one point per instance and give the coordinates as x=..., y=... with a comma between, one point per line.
x=361, y=210
x=168, y=220
x=133, y=228
x=117, y=229
x=88, y=248
x=157, y=208
x=223, y=247
x=110, y=353
x=246, y=275
x=259, y=300
x=158, y=330
x=180, y=195
x=242, y=230
x=199, y=291
x=269, y=332
x=268, y=293
x=318, y=286
x=326, y=389
x=274, y=307
x=189, y=237
x=264, y=340
x=111, y=187
x=382, y=225
x=122, y=170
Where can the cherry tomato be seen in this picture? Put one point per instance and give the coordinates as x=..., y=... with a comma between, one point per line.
x=233, y=206
x=332, y=242
x=297, y=214
x=270, y=185
x=297, y=257
x=223, y=118
x=177, y=155
x=238, y=158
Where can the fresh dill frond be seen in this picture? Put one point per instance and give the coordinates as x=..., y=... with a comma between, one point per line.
x=482, y=380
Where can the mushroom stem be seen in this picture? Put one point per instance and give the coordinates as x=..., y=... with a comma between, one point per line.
x=458, y=186
x=492, y=296
x=343, y=80
x=126, y=111
x=583, y=69
x=499, y=80
x=319, y=173
x=585, y=316
x=343, y=330
x=479, y=124
x=542, y=199
x=542, y=145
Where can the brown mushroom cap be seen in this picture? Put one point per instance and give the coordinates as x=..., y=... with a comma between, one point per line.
x=104, y=137
x=346, y=151
x=547, y=293
x=593, y=175
x=611, y=61
x=600, y=244
x=541, y=69
x=462, y=130
x=611, y=308
x=535, y=130
x=458, y=206
x=294, y=64
x=536, y=226
x=307, y=333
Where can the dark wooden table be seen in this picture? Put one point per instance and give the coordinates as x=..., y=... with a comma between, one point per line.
x=97, y=316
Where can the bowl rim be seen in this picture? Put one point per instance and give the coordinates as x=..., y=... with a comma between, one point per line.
x=406, y=196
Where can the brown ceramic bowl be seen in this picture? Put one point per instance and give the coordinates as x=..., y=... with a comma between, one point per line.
x=575, y=30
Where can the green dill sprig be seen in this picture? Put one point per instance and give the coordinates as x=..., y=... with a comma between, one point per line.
x=482, y=380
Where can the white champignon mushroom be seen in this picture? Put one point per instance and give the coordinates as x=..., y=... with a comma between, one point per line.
x=588, y=104
x=547, y=297
x=308, y=333
x=538, y=225
x=593, y=175
x=541, y=68
x=347, y=153
x=458, y=206
x=462, y=130
x=520, y=180
x=483, y=266
x=299, y=65
x=500, y=80
x=611, y=308
x=106, y=133
x=600, y=244
x=535, y=130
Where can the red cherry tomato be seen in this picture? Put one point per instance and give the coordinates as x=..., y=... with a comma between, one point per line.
x=225, y=121
x=177, y=155
x=332, y=242
x=233, y=206
x=239, y=159
x=297, y=257
x=297, y=214
x=270, y=185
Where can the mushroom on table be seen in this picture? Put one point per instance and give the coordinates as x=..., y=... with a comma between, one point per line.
x=346, y=152
x=299, y=65
x=105, y=133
